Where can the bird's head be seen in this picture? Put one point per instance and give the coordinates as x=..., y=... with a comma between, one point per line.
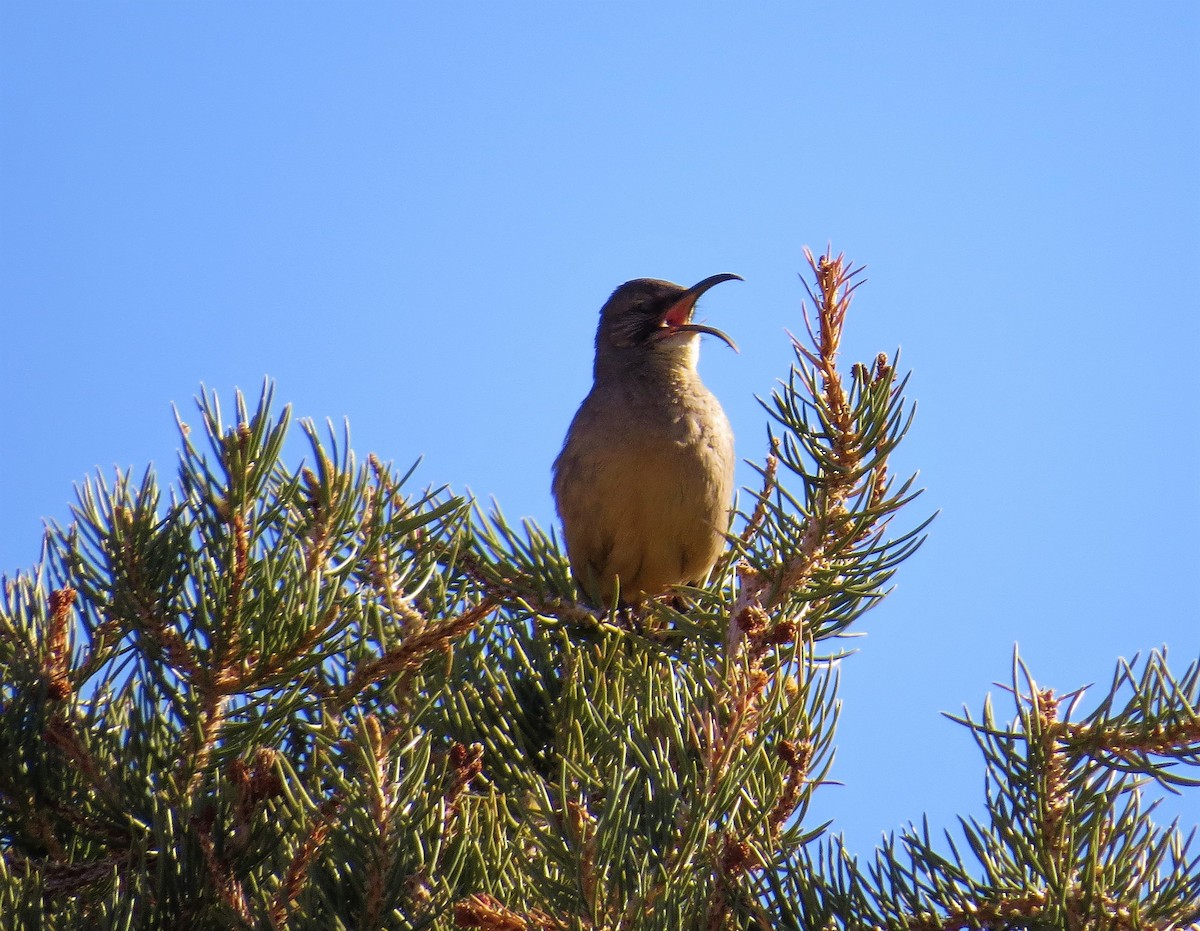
x=649, y=322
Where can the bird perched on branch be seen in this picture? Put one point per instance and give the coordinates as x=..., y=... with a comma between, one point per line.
x=645, y=478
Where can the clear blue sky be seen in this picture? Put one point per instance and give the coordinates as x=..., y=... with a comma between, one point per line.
x=408, y=215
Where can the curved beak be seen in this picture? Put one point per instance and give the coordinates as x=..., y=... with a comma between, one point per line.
x=678, y=318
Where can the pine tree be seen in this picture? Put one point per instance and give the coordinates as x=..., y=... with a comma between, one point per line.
x=277, y=697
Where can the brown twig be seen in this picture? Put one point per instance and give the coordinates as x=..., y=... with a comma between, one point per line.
x=770, y=473
x=296, y=875
x=56, y=665
x=490, y=914
x=415, y=650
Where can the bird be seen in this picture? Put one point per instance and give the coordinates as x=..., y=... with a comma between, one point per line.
x=644, y=482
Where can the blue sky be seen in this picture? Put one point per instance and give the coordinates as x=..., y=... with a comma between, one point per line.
x=409, y=216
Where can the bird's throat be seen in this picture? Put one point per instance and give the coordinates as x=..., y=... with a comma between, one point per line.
x=671, y=361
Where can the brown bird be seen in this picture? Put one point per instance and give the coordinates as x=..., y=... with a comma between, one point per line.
x=645, y=478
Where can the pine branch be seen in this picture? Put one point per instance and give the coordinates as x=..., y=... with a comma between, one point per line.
x=1067, y=843
x=828, y=553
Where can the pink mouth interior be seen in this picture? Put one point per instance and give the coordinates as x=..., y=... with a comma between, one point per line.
x=677, y=315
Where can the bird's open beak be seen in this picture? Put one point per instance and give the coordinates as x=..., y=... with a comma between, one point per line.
x=678, y=318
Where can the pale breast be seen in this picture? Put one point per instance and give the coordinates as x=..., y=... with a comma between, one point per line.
x=644, y=491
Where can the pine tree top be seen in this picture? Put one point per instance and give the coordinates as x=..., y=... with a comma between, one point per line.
x=312, y=696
